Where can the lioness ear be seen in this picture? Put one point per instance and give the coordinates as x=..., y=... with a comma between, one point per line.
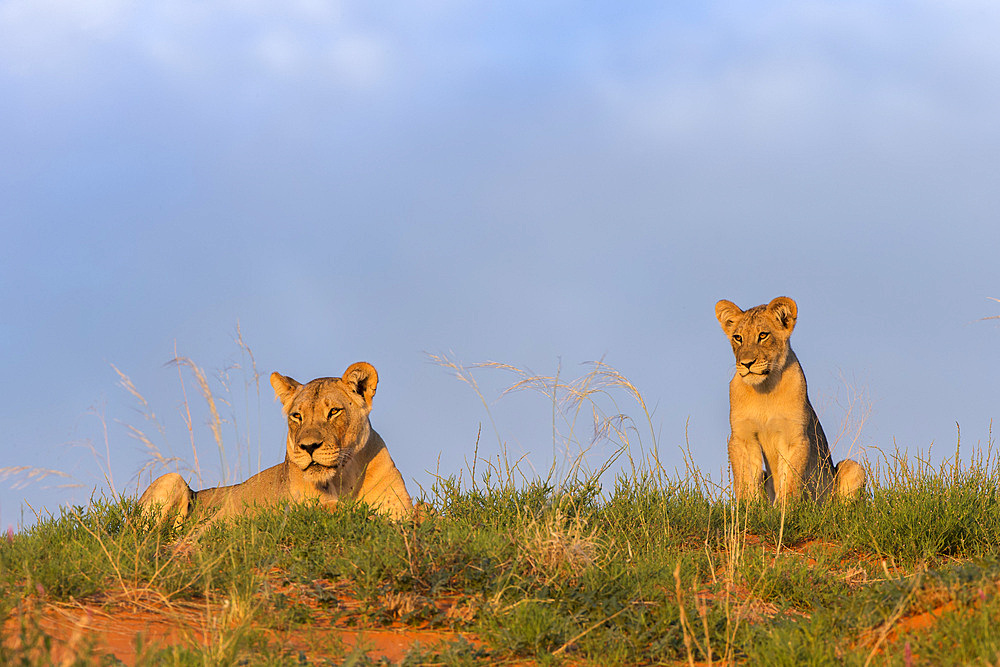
x=727, y=313
x=785, y=310
x=362, y=379
x=284, y=387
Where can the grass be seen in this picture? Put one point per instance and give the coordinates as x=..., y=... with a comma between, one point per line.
x=571, y=567
x=653, y=573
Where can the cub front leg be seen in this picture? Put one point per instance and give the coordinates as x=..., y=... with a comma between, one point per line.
x=748, y=467
x=790, y=471
x=166, y=495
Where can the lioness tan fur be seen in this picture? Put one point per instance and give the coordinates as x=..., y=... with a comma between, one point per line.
x=770, y=414
x=331, y=453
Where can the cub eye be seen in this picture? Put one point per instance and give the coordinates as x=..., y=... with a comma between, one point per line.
x=334, y=412
x=763, y=336
x=738, y=338
x=295, y=417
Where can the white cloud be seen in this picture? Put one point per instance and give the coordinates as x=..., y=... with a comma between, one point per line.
x=214, y=43
x=41, y=36
x=786, y=70
x=359, y=59
x=337, y=57
x=280, y=52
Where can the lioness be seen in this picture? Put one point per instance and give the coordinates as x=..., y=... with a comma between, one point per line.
x=770, y=413
x=332, y=452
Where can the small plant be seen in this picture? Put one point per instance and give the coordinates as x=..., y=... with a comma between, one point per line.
x=557, y=546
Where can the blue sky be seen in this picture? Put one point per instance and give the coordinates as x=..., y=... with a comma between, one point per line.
x=538, y=184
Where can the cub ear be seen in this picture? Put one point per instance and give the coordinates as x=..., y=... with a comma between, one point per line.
x=284, y=387
x=727, y=313
x=785, y=310
x=362, y=379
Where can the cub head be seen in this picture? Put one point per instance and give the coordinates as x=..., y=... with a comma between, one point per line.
x=327, y=419
x=759, y=336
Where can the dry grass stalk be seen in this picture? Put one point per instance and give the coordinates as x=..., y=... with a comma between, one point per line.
x=992, y=317
x=590, y=390
x=689, y=636
x=876, y=638
x=215, y=422
x=857, y=410
x=462, y=612
x=24, y=476
x=558, y=546
x=156, y=461
x=597, y=392
x=255, y=380
x=464, y=374
x=106, y=467
x=400, y=605
x=734, y=549
x=586, y=631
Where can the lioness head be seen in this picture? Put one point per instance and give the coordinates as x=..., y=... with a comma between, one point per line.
x=759, y=336
x=327, y=419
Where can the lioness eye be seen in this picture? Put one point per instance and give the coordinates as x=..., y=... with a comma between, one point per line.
x=762, y=336
x=334, y=412
x=295, y=417
x=738, y=338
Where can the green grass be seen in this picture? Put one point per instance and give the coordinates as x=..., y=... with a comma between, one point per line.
x=651, y=572
x=649, y=569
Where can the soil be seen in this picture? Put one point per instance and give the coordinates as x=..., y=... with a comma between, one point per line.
x=126, y=625
x=115, y=633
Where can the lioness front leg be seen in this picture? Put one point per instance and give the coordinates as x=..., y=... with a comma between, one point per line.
x=168, y=494
x=747, y=466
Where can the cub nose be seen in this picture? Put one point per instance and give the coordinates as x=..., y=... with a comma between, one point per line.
x=748, y=364
x=309, y=447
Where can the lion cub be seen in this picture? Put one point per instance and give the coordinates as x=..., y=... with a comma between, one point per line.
x=770, y=413
x=331, y=453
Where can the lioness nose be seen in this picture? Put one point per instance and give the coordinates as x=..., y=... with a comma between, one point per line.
x=748, y=364
x=310, y=447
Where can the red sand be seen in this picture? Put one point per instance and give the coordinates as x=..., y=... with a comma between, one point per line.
x=114, y=632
